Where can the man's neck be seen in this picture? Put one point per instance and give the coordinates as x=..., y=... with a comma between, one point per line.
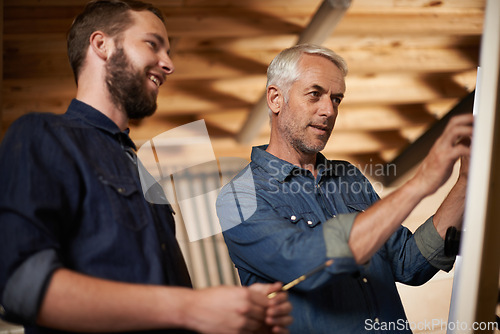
x=105, y=105
x=294, y=156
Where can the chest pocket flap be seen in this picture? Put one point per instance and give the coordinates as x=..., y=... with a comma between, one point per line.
x=126, y=201
x=295, y=216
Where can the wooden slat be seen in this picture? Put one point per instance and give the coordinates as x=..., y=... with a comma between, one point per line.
x=262, y=3
x=464, y=22
x=336, y=42
x=62, y=3
x=431, y=4
x=382, y=118
x=401, y=88
x=237, y=22
x=46, y=13
x=34, y=43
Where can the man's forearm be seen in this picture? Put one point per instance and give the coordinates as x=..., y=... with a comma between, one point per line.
x=451, y=211
x=81, y=303
x=76, y=302
x=372, y=228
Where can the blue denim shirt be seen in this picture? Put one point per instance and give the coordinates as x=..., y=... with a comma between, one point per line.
x=71, y=197
x=280, y=222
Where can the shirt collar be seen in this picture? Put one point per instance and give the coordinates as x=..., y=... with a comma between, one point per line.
x=281, y=169
x=97, y=119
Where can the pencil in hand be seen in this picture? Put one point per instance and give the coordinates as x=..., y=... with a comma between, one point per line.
x=301, y=278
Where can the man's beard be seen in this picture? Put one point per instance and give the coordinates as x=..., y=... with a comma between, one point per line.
x=296, y=135
x=127, y=87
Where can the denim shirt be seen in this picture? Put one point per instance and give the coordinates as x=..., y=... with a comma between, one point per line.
x=71, y=197
x=280, y=222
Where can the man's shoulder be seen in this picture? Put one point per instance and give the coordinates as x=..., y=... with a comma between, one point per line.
x=247, y=182
x=42, y=132
x=31, y=126
x=36, y=118
x=43, y=121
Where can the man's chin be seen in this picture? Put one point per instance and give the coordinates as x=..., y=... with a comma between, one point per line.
x=140, y=115
x=314, y=149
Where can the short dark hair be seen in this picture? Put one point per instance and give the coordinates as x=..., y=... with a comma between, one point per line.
x=109, y=16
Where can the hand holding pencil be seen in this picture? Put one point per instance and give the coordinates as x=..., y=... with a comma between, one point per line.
x=301, y=278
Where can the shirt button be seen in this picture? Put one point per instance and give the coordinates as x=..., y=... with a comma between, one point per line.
x=2, y=310
x=365, y=280
x=293, y=218
x=121, y=190
x=376, y=320
x=309, y=222
x=163, y=246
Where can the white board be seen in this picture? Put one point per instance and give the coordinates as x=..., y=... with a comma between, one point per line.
x=466, y=284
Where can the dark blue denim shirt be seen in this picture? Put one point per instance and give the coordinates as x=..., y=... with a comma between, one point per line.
x=71, y=197
x=280, y=222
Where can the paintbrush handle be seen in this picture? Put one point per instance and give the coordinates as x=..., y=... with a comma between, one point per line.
x=301, y=278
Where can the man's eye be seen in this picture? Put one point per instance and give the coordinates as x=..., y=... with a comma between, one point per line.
x=337, y=100
x=315, y=94
x=152, y=44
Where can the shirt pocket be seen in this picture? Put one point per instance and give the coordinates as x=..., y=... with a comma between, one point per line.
x=126, y=201
x=303, y=218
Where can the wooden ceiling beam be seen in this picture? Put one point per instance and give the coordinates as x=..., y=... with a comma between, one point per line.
x=415, y=4
x=275, y=43
x=258, y=21
x=56, y=43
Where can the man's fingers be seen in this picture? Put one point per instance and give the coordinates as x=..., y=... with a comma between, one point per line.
x=279, y=305
x=259, y=293
x=458, y=128
x=278, y=314
x=276, y=310
x=275, y=287
x=461, y=119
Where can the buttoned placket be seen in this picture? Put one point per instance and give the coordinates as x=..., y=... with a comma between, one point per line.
x=131, y=154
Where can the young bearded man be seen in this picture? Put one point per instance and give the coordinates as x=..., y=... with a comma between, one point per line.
x=82, y=249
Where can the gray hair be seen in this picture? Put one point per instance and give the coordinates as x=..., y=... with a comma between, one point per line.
x=284, y=70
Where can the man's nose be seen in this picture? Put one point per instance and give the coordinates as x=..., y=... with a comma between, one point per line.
x=327, y=108
x=166, y=64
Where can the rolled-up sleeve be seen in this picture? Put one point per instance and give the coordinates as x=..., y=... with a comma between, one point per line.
x=431, y=245
x=33, y=202
x=26, y=287
x=337, y=231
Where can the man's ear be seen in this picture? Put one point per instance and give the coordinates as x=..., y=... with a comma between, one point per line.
x=100, y=43
x=274, y=99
